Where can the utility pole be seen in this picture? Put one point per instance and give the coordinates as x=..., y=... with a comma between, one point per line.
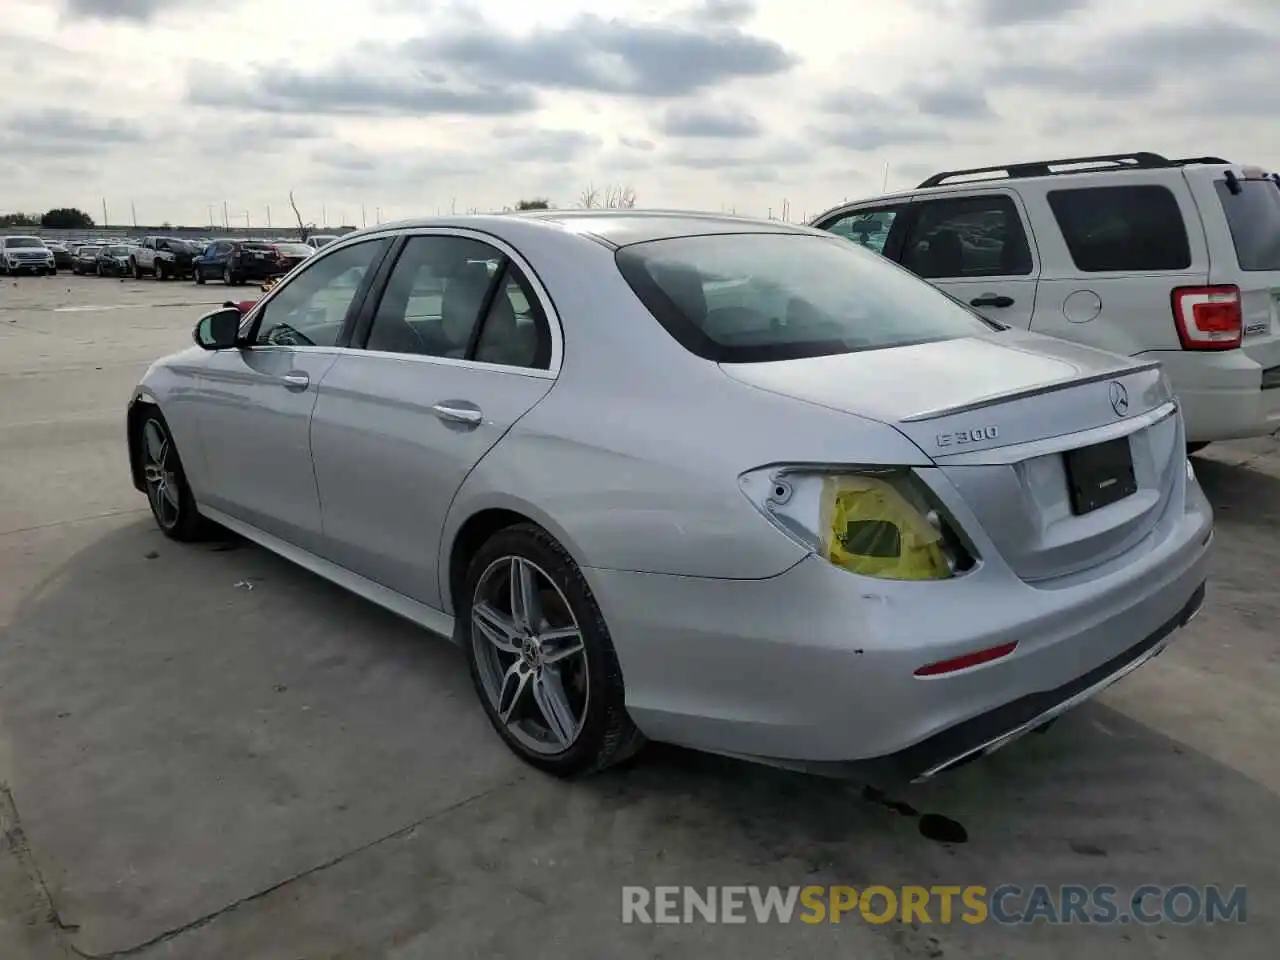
x=210, y=217
x=134, y=210
x=226, y=219
x=246, y=220
x=364, y=221
x=268, y=216
x=105, y=221
x=885, y=187
x=377, y=216
x=324, y=217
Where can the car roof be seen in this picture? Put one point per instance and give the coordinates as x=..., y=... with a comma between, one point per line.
x=613, y=228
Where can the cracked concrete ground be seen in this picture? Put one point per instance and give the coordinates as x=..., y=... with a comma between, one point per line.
x=197, y=769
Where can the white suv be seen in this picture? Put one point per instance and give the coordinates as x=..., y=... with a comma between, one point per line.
x=1169, y=260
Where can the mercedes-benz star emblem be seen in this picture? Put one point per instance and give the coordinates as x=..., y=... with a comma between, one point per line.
x=1119, y=398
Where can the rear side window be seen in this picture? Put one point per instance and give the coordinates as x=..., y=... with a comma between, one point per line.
x=1253, y=215
x=1122, y=229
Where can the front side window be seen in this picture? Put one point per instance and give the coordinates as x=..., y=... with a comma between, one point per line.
x=867, y=228
x=1122, y=229
x=979, y=236
x=778, y=296
x=460, y=298
x=310, y=310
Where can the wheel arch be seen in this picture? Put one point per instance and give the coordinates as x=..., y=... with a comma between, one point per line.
x=467, y=531
x=142, y=404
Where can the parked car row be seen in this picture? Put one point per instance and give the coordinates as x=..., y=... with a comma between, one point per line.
x=233, y=261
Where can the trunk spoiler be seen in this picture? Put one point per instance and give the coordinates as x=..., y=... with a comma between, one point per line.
x=1035, y=391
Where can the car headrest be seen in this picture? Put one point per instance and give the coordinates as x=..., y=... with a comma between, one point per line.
x=683, y=286
x=463, y=296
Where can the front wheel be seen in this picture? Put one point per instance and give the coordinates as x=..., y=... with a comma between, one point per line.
x=198, y=275
x=541, y=658
x=168, y=493
x=161, y=273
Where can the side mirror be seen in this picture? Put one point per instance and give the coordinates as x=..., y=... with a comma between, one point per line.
x=219, y=330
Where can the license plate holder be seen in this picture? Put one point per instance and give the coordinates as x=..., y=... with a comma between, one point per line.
x=1100, y=475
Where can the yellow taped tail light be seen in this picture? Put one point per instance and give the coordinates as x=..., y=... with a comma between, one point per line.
x=877, y=523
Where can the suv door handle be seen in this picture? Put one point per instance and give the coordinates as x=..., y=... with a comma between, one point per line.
x=458, y=411
x=991, y=300
x=296, y=381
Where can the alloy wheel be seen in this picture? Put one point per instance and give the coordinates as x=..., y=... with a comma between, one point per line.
x=160, y=476
x=531, y=656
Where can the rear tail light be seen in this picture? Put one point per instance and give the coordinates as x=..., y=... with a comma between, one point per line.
x=1208, y=318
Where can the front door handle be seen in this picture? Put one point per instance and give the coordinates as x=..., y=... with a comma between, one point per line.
x=296, y=381
x=991, y=300
x=458, y=411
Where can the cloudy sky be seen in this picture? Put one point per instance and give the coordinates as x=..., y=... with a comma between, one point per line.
x=408, y=107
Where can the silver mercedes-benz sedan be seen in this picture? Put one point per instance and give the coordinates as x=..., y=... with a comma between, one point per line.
x=726, y=483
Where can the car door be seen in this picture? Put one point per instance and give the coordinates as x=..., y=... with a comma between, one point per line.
x=975, y=246
x=877, y=226
x=255, y=402
x=459, y=344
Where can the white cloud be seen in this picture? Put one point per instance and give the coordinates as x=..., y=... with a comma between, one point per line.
x=410, y=107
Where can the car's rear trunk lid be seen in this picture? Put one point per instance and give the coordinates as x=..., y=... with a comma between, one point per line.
x=1005, y=417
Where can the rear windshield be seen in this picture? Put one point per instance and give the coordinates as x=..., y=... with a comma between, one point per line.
x=294, y=249
x=255, y=245
x=755, y=297
x=1253, y=215
x=118, y=250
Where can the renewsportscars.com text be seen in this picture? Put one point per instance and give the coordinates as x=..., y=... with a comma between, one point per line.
x=973, y=904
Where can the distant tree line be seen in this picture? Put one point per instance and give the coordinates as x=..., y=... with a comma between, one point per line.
x=59, y=218
x=610, y=197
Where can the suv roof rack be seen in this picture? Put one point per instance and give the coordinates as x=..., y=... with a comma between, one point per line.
x=1044, y=168
x=1188, y=161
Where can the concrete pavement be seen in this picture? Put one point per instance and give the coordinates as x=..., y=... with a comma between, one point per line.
x=209, y=753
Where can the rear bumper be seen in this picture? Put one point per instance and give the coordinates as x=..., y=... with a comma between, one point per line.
x=258, y=270
x=1220, y=393
x=814, y=669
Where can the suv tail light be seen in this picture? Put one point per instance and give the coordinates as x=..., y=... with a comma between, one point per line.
x=1208, y=318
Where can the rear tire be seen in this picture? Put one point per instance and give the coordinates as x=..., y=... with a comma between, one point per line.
x=169, y=495
x=586, y=682
x=160, y=271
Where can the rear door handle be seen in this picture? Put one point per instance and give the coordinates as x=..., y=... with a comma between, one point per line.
x=991, y=300
x=296, y=381
x=458, y=411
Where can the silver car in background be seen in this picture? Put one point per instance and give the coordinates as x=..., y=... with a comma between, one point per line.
x=731, y=484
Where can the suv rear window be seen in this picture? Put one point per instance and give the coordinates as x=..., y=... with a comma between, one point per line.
x=756, y=297
x=1253, y=215
x=1122, y=229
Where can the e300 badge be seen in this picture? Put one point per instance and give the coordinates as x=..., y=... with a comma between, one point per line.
x=961, y=438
